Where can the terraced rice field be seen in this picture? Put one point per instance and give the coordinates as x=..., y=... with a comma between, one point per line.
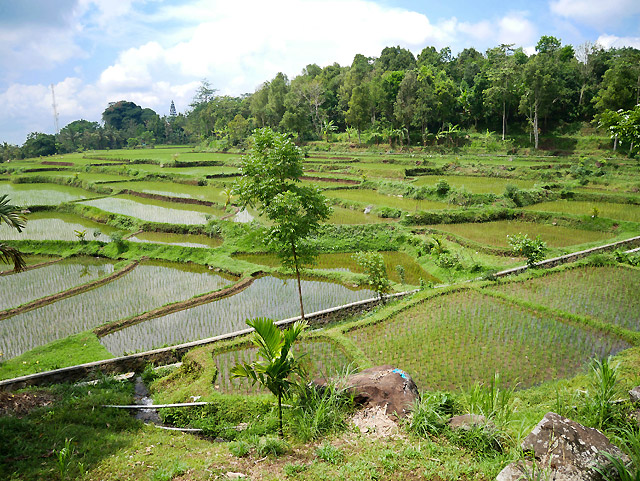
x=626, y=212
x=495, y=233
x=477, y=185
x=342, y=215
x=146, y=287
x=454, y=340
x=172, y=189
x=345, y=262
x=610, y=294
x=25, y=195
x=322, y=359
x=33, y=284
x=372, y=197
x=155, y=210
x=185, y=240
x=266, y=297
x=57, y=226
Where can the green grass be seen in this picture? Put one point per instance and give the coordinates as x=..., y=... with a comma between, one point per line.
x=462, y=338
x=495, y=233
x=626, y=212
x=609, y=294
x=70, y=351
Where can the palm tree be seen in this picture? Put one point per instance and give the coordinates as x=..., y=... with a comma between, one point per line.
x=278, y=363
x=11, y=215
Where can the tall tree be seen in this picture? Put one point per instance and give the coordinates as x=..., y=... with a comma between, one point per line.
x=501, y=74
x=359, y=113
x=271, y=181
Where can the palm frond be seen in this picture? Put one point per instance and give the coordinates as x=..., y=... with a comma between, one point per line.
x=11, y=214
x=11, y=255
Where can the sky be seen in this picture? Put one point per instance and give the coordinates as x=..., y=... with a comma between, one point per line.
x=154, y=51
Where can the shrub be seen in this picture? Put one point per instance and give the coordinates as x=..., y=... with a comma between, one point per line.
x=533, y=249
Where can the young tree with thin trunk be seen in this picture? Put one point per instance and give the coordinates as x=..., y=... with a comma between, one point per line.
x=271, y=181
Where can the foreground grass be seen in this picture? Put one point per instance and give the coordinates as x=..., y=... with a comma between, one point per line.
x=70, y=351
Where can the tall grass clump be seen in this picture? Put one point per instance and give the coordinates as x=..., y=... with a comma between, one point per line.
x=492, y=400
x=321, y=410
x=599, y=408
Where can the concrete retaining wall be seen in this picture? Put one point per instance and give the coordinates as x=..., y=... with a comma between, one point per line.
x=169, y=355
x=556, y=261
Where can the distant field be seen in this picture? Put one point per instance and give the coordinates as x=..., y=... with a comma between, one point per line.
x=42, y=194
x=495, y=233
x=626, y=212
x=478, y=185
x=155, y=210
x=372, y=197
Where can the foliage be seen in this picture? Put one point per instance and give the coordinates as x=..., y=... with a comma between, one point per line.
x=12, y=216
x=270, y=178
x=533, y=249
x=278, y=363
x=375, y=269
x=603, y=391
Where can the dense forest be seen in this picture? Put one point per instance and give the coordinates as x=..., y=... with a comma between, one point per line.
x=395, y=98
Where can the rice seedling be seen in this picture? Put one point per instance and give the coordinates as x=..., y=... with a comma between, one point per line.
x=609, y=294
x=25, y=195
x=57, y=226
x=155, y=211
x=146, y=287
x=465, y=337
x=27, y=286
x=495, y=233
x=627, y=212
x=267, y=296
x=172, y=189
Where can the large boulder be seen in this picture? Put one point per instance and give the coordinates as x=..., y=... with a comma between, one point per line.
x=634, y=395
x=384, y=386
x=563, y=449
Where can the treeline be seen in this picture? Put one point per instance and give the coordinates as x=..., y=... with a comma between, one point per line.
x=396, y=98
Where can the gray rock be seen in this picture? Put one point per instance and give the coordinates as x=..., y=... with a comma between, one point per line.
x=563, y=451
x=634, y=394
x=467, y=421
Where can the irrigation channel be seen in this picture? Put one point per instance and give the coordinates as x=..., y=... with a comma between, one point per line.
x=147, y=287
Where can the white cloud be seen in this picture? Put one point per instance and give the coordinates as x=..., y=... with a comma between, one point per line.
x=596, y=13
x=608, y=41
x=514, y=28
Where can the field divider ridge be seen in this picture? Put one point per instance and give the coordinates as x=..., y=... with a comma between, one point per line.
x=43, y=301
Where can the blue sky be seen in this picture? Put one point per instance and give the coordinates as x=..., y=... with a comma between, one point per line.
x=155, y=51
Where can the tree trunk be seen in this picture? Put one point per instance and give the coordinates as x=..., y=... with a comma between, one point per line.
x=535, y=123
x=615, y=142
x=295, y=263
x=359, y=141
x=280, y=414
x=504, y=118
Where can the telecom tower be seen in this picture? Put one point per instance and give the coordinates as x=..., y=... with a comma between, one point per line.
x=55, y=111
x=172, y=110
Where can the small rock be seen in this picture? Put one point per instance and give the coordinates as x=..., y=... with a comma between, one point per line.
x=232, y=475
x=634, y=394
x=467, y=421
